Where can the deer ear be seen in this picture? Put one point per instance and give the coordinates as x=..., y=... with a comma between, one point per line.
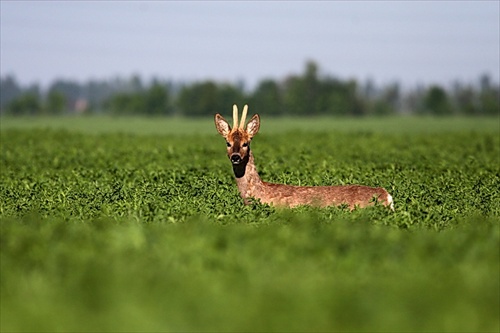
x=222, y=125
x=253, y=125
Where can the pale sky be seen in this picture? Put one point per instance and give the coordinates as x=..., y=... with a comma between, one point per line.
x=408, y=41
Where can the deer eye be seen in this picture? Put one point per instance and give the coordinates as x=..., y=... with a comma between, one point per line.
x=245, y=144
x=228, y=144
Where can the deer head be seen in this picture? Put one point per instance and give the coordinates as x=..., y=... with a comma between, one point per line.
x=238, y=137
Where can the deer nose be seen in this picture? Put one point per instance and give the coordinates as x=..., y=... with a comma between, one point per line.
x=236, y=158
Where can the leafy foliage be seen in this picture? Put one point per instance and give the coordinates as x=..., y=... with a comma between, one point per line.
x=153, y=102
x=308, y=93
x=26, y=104
x=114, y=231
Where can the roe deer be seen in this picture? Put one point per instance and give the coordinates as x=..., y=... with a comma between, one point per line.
x=250, y=185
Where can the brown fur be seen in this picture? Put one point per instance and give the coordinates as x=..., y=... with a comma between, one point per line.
x=251, y=186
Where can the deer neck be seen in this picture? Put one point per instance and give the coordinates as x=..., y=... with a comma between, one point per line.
x=247, y=178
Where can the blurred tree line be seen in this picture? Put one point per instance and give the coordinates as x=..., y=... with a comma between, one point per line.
x=309, y=93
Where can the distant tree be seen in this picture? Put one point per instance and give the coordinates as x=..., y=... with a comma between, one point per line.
x=301, y=93
x=312, y=88
x=97, y=93
x=311, y=95
x=389, y=100
x=207, y=98
x=267, y=98
x=198, y=99
x=436, y=101
x=392, y=95
x=294, y=96
x=156, y=101
x=55, y=103
x=342, y=98
x=71, y=90
x=369, y=90
x=485, y=82
x=465, y=99
x=26, y=104
x=227, y=95
x=135, y=83
x=412, y=101
x=125, y=104
x=336, y=97
x=489, y=96
x=490, y=102
x=9, y=90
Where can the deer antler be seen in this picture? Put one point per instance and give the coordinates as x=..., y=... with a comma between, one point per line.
x=244, y=116
x=235, y=116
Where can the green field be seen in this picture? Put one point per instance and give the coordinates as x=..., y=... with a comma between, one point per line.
x=135, y=224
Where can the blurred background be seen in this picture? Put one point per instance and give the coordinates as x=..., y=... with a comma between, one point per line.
x=283, y=58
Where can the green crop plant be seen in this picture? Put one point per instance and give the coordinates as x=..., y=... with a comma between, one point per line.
x=107, y=226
